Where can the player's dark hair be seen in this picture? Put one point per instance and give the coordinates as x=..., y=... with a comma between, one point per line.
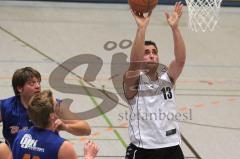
x=22, y=75
x=149, y=42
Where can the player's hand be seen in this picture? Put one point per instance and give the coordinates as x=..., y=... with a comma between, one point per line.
x=173, y=19
x=90, y=150
x=141, y=20
x=60, y=125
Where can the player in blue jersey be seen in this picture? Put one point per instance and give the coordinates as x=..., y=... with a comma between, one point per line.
x=26, y=82
x=41, y=140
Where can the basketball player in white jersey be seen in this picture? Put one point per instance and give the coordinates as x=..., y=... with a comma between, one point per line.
x=149, y=90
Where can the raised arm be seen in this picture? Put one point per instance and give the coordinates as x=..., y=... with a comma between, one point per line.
x=176, y=66
x=131, y=76
x=75, y=127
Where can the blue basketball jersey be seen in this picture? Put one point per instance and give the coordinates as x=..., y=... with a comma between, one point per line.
x=36, y=143
x=14, y=117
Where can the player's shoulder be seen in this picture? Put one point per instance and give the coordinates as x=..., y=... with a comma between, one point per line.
x=66, y=144
x=9, y=99
x=2, y=145
x=67, y=151
x=163, y=74
x=162, y=68
x=19, y=136
x=5, y=151
x=7, y=102
x=22, y=132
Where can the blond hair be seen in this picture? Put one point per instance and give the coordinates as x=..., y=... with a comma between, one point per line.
x=40, y=107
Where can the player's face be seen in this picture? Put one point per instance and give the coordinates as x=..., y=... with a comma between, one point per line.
x=30, y=88
x=151, y=56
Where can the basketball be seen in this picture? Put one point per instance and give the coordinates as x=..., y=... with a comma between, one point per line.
x=142, y=6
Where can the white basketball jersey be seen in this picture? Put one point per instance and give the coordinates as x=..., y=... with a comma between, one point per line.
x=152, y=121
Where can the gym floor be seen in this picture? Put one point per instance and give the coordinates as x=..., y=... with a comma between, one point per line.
x=43, y=35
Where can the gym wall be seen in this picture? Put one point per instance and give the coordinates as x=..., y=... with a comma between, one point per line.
x=226, y=3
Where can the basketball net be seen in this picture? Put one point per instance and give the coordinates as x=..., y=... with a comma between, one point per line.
x=203, y=14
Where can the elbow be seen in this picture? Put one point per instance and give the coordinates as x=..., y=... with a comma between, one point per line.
x=83, y=130
x=88, y=131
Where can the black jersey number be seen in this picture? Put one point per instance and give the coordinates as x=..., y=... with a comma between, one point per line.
x=167, y=93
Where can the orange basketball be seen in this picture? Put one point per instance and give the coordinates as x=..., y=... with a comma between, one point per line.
x=143, y=6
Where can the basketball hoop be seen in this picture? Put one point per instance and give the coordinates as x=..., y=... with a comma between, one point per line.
x=203, y=14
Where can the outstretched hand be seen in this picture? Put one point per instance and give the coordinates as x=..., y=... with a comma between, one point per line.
x=141, y=20
x=90, y=150
x=173, y=19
